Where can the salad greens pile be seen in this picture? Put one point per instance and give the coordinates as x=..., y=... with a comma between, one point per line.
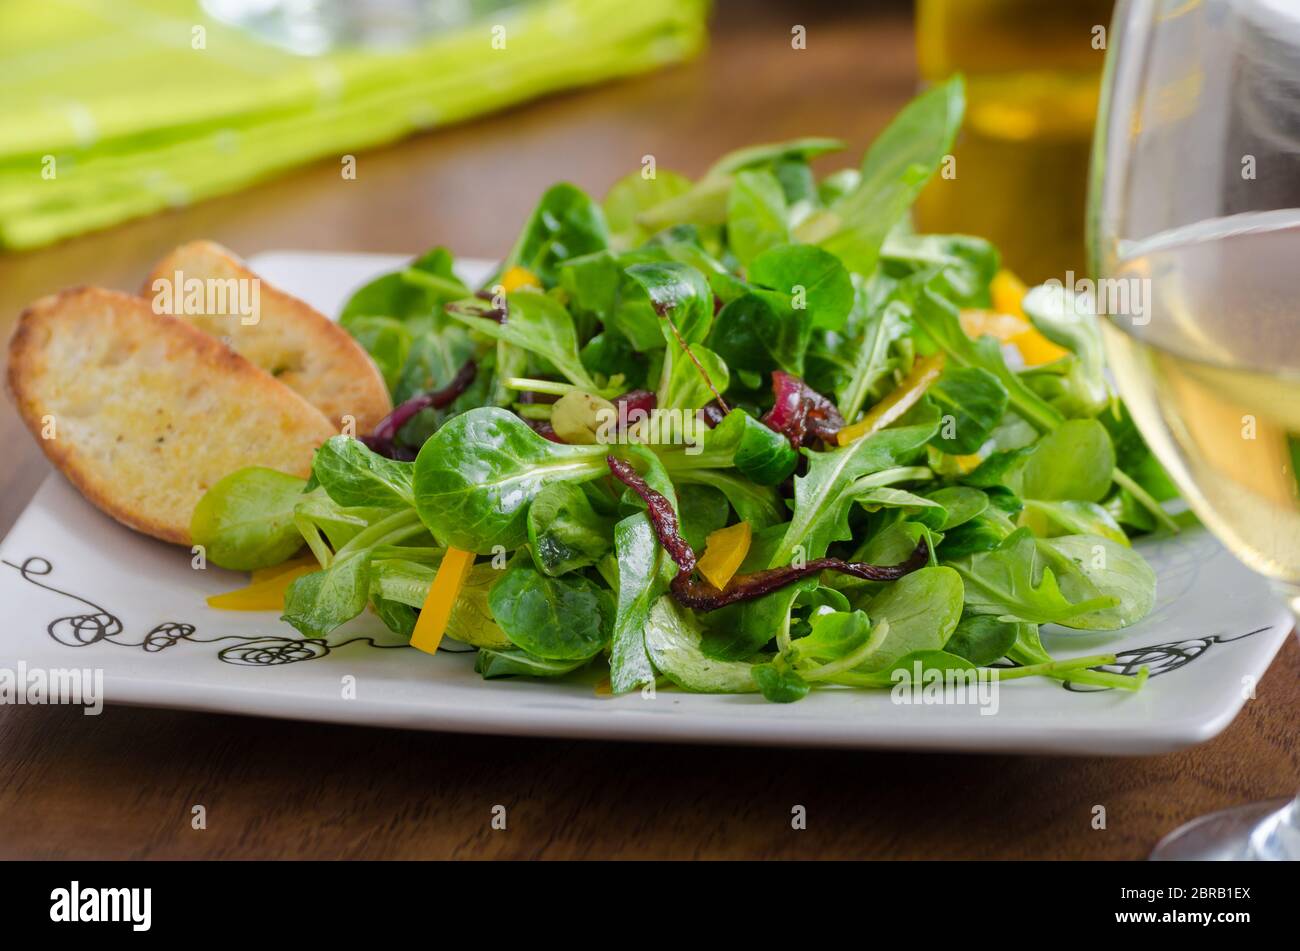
x=911, y=495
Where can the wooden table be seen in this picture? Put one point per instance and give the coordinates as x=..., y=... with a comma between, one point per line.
x=122, y=785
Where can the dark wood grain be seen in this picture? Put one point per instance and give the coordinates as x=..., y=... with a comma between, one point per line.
x=122, y=785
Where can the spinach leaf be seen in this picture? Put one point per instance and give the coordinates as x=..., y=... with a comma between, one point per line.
x=672, y=637
x=352, y=475
x=317, y=603
x=565, y=618
x=896, y=167
x=1068, y=321
x=475, y=478
x=778, y=683
x=564, y=531
x=922, y=610
x=809, y=279
x=246, y=520
x=681, y=296
x=983, y=639
x=834, y=635
x=1070, y=517
x=795, y=289
x=1075, y=461
x=388, y=341
x=565, y=224
x=972, y=402
x=395, y=579
x=918, y=508
x=961, y=503
x=600, y=289
x=492, y=663
x=644, y=572
x=701, y=509
x=756, y=214
x=418, y=290
x=633, y=194
x=757, y=452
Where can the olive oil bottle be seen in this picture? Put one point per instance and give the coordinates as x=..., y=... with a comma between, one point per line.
x=1020, y=170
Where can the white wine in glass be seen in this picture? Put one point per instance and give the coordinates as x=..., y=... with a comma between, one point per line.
x=1194, y=215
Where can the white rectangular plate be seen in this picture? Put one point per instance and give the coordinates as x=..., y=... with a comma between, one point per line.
x=81, y=591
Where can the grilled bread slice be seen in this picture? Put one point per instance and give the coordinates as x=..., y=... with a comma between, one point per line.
x=296, y=344
x=143, y=412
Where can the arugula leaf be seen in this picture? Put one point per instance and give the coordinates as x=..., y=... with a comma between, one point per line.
x=966, y=265
x=822, y=495
x=1104, y=566
x=896, y=167
x=246, y=520
x=564, y=618
x=916, y=507
x=1015, y=582
x=759, y=505
x=475, y=477
x=1070, y=517
x=706, y=202
x=937, y=318
x=352, y=475
x=564, y=531
x=538, y=324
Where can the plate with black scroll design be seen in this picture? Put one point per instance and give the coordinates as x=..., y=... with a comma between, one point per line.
x=81, y=591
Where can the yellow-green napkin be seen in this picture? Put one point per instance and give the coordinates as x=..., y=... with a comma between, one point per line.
x=109, y=110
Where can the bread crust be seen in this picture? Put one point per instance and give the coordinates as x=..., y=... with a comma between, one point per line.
x=149, y=412
x=297, y=344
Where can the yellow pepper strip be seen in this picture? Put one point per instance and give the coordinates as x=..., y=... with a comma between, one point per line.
x=1007, y=291
x=967, y=463
x=1007, y=322
x=266, y=574
x=265, y=595
x=444, y=591
x=903, y=397
x=518, y=277
x=724, y=552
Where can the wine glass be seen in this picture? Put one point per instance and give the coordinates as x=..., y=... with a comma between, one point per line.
x=1194, y=237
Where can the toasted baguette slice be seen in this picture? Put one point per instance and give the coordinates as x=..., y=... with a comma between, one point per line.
x=142, y=412
x=299, y=346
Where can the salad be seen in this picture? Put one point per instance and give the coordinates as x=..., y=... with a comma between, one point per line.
x=749, y=433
